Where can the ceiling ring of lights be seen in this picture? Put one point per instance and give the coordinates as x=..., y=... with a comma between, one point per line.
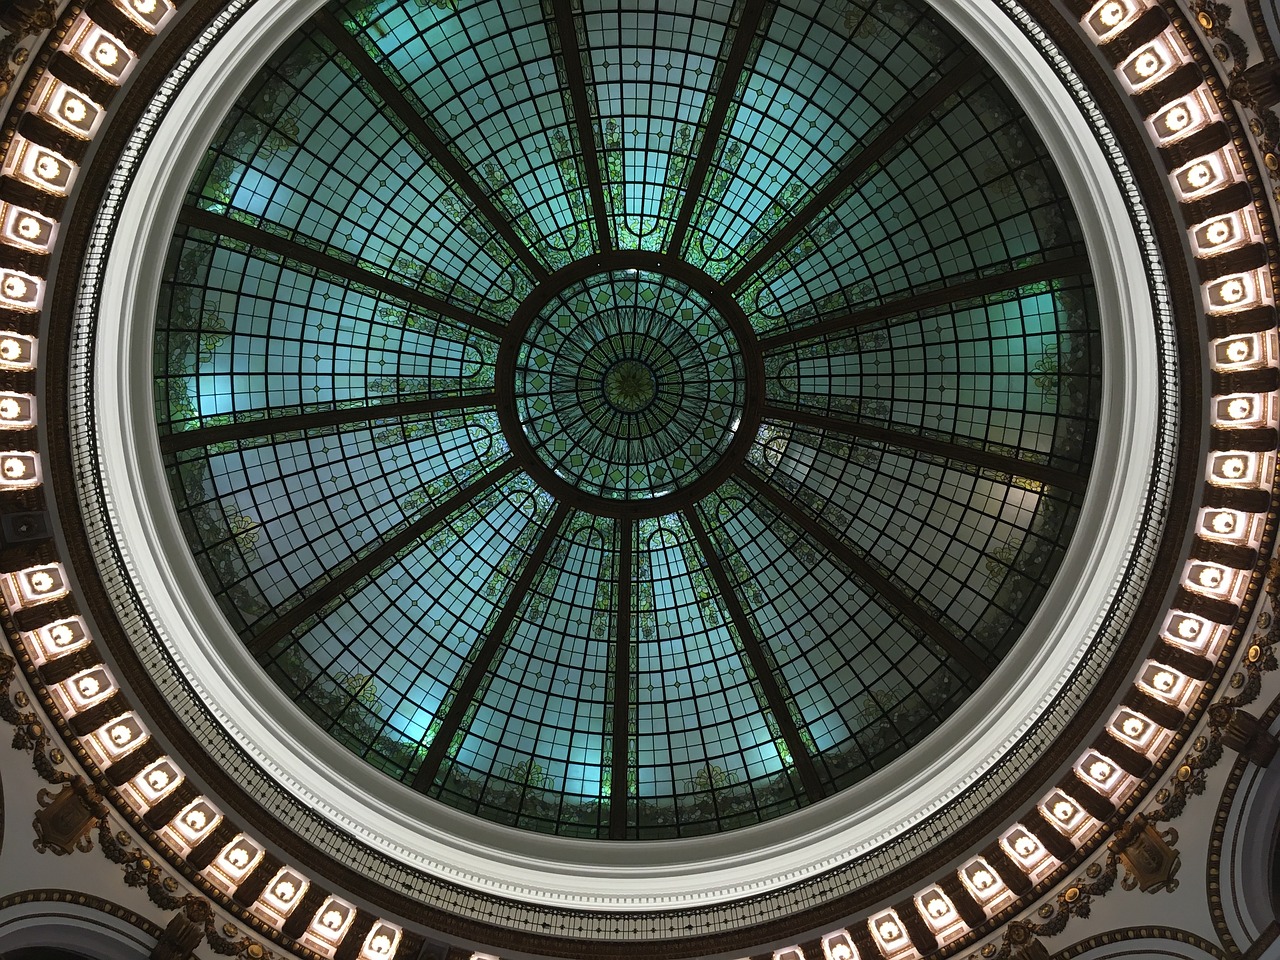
x=1129, y=332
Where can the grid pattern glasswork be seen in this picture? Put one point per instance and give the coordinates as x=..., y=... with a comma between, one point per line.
x=438, y=322
x=629, y=385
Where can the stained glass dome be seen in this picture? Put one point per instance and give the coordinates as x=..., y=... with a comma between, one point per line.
x=628, y=424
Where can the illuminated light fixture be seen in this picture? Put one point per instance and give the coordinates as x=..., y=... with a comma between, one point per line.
x=20, y=291
x=67, y=108
x=115, y=739
x=282, y=894
x=983, y=882
x=19, y=470
x=839, y=946
x=1239, y=291
x=1238, y=469
x=483, y=956
x=938, y=911
x=1148, y=64
x=1206, y=175
x=1163, y=682
x=34, y=585
x=889, y=933
x=194, y=822
x=1224, y=524
x=1213, y=579
x=57, y=639
x=1218, y=234
x=382, y=942
x=1025, y=849
x=17, y=351
x=83, y=690
x=788, y=953
x=39, y=167
x=26, y=229
x=101, y=52
x=331, y=921
x=1110, y=17
x=236, y=861
x=17, y=411
x=1063, y=812
x=1183, y=117
x=150, y=15
x=157, y=780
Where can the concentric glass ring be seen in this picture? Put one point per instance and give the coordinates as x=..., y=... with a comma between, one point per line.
x=629, y=385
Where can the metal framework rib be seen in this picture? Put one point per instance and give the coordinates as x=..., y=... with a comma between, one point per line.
x=248, y=429
x=862, y=570
x=931, y=445
x=1072, y=266
x=479, y=668
x=571, y=57
x=382, y=84
x=740, y=49
x=855, y=166
x=379, y=555
x=621, y=685
x=327, y=263
x=774, y=697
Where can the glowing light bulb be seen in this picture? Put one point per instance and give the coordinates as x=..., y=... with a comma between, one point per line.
x=238, y=857
x=332, y=919
x=48, y=168
x=1222, y=523
x=106, y=54
x=1112, y=13
x=88, y=687
x=40, y=582
x=1200, y=175
x=120, y=734
x=1218, y=232
x=10, y=349
x=937, y=908
x=889, y=931
x=1233, y=468
x=1100, y=770
x=15, y=288
x=982, y=879
x=158, y=780
x=15, y=469
x=62, y=635
x=1210, y=577
x=1177, y=118
x=74, y=109
x=1024, y=846
x=1232, y=291
x=1164, y=681
x=1133, y=727
x=1063, y=810
x=196, y=820
x=1147, y=64
x=28, y=228
x=285, y=890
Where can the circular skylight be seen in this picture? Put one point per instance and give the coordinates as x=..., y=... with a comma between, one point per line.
x=627, y=424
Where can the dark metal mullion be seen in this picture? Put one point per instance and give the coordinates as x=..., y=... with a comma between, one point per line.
x=966, y=66
x=621, y=686
x=571, y=57
x=1060, y=269
x=734, y=65
x=858, y=566
x=327, y=263
x=249, y=429
x=391, y=95
x=478, y=671
x=931, y=445
x=379, y=555
x=774, y=697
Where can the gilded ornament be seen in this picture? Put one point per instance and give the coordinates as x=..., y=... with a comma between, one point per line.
x=1237, y=681
x=1205, y=21
x=1184, y=772
x=989, y=950
x=21, y=698
x=1199, y=744
x=1045, y=911
x=1071, y=895
x=1255, y=653
x=1150, y=860
x=1220, y=51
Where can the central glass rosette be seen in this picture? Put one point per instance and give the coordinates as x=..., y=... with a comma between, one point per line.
x=629, y=385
